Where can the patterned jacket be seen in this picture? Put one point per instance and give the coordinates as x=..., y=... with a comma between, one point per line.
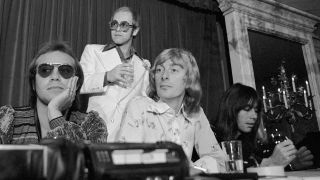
x=21, y=126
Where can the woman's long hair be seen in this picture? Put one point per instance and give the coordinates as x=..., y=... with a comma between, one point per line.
x=193, y=92
x=236, y=98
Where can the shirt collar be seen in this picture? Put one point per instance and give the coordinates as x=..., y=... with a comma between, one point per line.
x=132, y=51
x=161, y=107
x=109, y=46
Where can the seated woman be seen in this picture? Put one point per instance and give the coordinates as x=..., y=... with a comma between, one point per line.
x=173, y=112
x=55, y=78
x=239, y=117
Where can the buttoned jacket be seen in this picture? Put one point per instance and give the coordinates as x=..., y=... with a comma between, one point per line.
x=110, y=100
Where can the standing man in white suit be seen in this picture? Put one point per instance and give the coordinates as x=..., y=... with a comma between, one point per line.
x=114, y=73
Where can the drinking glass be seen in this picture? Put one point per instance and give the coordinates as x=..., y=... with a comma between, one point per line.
x=234, y=161
x=129, y=79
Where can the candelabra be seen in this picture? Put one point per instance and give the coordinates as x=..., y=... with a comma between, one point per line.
x=287, y=101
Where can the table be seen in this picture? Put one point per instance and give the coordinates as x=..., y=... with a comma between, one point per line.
x=310, y=174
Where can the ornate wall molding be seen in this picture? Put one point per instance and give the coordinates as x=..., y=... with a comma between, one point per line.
x=273, y=18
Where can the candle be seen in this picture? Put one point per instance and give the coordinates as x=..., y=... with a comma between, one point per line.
x=264, y=103
x=279, y=93
x=270, y=105
x=293, y=85
x=308, y=89
x=264, y=91
x=305, y=98
x=285, y=100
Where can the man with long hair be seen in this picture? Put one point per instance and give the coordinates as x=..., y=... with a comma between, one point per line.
x=172, y=111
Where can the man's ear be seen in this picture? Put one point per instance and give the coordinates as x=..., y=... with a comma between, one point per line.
x=135, y=31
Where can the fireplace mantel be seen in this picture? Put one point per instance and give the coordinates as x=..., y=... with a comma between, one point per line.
x=272, y=18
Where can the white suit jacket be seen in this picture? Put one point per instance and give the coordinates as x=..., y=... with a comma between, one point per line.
x=110, y=101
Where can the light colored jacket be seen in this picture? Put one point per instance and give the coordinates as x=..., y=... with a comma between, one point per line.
x=110, y=101
x=148, y=121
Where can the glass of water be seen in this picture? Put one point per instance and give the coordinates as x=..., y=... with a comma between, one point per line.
x=234, y=161
x=130, y=79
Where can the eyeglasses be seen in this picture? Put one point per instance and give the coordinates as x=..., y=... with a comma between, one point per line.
x=46, y=69
x=124, y=25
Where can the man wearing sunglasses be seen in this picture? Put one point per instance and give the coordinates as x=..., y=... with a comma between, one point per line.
x=114, y=73
x=55, y=78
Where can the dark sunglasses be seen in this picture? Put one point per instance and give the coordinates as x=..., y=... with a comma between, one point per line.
x=124, y=25
x=46, y=69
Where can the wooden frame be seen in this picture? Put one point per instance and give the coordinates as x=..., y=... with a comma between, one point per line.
x=273, y=18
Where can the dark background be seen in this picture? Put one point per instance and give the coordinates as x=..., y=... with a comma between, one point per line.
x=25, y=25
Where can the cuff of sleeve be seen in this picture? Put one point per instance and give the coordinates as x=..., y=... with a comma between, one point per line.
x=105, y=80
x=56, y=122
x=209, y=164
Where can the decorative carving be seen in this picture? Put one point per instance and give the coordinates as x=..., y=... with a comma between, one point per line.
x=225, y=5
